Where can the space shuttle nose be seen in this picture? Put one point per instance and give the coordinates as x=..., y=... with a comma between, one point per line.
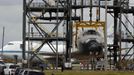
x=90, y=42
x=91, y=46
x=93, y=42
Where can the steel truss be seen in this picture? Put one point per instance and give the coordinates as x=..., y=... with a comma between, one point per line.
x=40, y=14
x=121, y=7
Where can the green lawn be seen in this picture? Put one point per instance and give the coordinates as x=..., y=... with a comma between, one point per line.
x=49, y=72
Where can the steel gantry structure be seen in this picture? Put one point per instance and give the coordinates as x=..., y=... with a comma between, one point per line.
x=119, y=10
x=43, y=19
x=42, y=15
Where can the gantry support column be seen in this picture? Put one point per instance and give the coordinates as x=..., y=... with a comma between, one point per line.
x=69, y=31
x=115, y=32
x=24, y=32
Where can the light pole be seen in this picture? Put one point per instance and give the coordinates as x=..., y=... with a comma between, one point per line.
x=3, y=36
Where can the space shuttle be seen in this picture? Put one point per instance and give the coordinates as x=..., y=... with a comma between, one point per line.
x=90, y=41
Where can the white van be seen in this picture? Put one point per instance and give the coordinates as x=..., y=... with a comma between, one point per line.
x=10, y=69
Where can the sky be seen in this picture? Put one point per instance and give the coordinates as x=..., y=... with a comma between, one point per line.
x=11, y=19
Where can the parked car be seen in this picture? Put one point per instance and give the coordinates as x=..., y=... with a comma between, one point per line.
x=2, y=69
x=18, y=70
x=31, y=72
x=10, y=69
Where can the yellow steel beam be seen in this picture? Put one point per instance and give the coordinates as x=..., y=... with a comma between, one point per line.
x=90, y=24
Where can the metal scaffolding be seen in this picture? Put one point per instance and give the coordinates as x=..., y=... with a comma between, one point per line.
x=43, y=19
x=120, y=8
x=43, y=15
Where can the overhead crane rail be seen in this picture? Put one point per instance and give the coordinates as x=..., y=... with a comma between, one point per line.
x=130, y=10
x=39, y=6
x=46, y=38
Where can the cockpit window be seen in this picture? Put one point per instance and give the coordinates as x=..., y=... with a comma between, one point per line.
x=10, y=43
x=91, y=32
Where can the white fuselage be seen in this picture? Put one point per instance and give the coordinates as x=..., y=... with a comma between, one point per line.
x=14, y=48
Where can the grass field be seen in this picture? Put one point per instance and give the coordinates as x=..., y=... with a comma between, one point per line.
x=49, y=72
